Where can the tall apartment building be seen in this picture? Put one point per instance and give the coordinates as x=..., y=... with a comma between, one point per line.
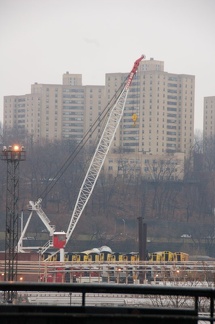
x=209, y=117
x=54, y=111
x=164, y=130
x=163, y=103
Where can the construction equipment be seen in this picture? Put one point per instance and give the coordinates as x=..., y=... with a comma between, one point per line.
x=96, y=164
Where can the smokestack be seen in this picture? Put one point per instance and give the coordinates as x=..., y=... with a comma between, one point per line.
x=142, y=239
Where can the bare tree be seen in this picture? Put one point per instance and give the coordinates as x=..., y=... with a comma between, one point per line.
x=162, y=173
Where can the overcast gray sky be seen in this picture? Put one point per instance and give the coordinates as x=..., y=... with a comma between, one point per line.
x=42, y=39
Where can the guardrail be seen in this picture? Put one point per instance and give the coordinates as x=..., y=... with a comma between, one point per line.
x=180, y=273
x=158, y=304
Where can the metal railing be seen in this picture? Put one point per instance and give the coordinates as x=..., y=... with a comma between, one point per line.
x=154, y=304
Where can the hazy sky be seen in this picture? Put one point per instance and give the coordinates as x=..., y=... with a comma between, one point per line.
x=42, y=39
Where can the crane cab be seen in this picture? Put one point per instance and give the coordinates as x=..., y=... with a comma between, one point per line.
x=59, y=240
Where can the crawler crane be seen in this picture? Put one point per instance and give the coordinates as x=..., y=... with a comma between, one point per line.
x=94, y=169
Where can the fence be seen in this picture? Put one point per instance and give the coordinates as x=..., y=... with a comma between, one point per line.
x=142, y=303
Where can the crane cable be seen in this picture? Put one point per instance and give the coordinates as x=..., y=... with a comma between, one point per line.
x=82, y=143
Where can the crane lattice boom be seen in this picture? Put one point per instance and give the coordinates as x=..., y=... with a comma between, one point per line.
x=101, y=152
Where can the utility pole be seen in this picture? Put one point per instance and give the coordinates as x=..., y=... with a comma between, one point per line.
x=12, y=155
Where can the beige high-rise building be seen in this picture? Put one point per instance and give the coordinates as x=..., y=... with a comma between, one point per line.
x=23, y=112
x=164, y=130
x=209, y=117
x=56, y=112
x=164, y=104
x=157, y=125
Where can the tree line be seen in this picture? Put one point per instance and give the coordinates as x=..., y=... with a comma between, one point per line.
x=170, y=207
